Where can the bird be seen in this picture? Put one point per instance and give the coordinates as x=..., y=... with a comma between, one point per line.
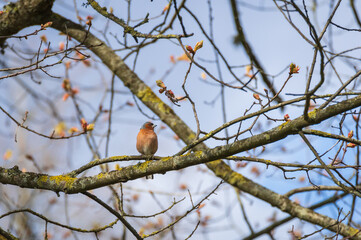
x=147, y=141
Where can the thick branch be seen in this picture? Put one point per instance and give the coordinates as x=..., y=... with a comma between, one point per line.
x=7, y=235
x=22, y=14
x=68, y=184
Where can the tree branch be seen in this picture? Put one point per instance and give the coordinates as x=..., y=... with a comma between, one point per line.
x=242, y=39
x=22, y=14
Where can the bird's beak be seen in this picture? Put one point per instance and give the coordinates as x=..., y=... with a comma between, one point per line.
x=154, y=126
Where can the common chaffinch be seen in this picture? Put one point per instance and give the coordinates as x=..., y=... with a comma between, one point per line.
x=147, y=141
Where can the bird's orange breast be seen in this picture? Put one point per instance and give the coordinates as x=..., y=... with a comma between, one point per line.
x=147, y=142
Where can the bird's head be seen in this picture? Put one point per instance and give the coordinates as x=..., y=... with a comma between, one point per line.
x=148, y=125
